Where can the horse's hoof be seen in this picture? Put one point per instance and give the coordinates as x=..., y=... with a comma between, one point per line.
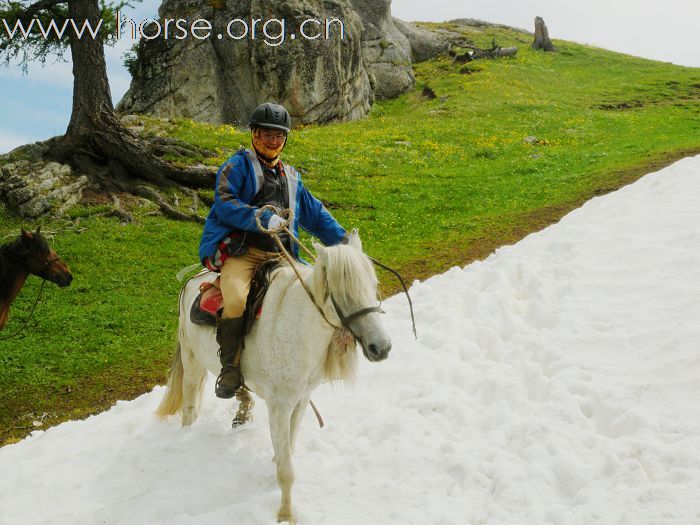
x=238, y=423
x=284, y=517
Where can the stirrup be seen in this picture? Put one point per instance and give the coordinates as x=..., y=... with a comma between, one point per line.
x=226, y=392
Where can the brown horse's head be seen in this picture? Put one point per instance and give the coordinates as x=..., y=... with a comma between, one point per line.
x=39, y=259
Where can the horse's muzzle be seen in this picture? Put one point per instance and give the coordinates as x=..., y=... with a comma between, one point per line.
x=376, y=352
x=62, y=279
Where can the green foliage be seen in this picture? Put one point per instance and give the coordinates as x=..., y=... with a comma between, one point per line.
x=47, y=29
x=130, y=59
x=429, y=183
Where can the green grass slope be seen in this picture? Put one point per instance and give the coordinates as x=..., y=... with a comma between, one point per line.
x=430, y=183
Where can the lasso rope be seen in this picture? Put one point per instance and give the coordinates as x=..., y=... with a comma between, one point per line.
x=288, y=215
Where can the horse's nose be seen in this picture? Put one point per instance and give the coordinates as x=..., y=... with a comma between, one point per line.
x=378, y=352
x=65, y=280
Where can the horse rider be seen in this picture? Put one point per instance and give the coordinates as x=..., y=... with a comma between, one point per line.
x=231, y=242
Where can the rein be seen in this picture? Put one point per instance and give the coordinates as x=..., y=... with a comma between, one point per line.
x=288, y=216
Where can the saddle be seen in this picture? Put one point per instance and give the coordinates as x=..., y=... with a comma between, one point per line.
x=208, y=305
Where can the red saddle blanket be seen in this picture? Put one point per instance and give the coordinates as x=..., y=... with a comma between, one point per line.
x=211, y=300
x=208, y=305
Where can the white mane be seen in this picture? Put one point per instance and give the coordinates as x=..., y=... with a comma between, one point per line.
x=350, y=275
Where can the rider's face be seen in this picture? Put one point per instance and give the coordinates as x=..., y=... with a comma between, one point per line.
x=272, y=138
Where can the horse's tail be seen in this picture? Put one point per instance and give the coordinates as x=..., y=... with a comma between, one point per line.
x=341, y=360
x=172, y=401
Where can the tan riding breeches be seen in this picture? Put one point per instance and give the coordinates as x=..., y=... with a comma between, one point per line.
x=236, y=274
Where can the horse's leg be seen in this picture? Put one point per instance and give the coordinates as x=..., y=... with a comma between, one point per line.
x=297, y=416
x=280, y=427
x=245, y=405
x=192, y=381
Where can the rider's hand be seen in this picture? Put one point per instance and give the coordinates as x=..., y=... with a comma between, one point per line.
x=275, y=222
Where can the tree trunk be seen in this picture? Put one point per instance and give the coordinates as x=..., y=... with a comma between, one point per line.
x=542, y=40
x=96, y=143
x=92, y=99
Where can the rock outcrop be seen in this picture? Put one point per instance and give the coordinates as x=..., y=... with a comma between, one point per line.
x=32, y=189
x=423, y=44
x=221, y=80
x=385, y=50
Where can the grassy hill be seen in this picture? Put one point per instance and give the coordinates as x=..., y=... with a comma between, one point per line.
x=430, y=183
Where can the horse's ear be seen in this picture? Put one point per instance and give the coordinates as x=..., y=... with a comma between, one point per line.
x=354, y=239
x=26, y=235
x=318, y=247
x=319, y=275
x=38, y=230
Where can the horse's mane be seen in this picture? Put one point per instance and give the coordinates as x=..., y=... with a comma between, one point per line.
x=10, y=266
x=350, y=274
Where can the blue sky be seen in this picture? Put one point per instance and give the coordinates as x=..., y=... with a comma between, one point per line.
x=37, y=106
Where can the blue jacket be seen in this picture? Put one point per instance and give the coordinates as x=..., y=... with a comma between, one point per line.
x=237, y=182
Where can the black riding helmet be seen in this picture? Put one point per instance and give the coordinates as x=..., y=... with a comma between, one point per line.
x=271, y=115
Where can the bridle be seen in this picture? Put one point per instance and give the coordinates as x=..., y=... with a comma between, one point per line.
x=46, y=264
x=346, y=320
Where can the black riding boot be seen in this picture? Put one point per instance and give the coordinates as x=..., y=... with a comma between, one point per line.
x=229, y=335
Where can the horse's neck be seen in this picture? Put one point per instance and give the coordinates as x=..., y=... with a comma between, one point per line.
x=289, y=285
x=13, y=277
x=8, y=299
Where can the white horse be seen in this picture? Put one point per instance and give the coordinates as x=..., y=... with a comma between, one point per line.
x=290, y=349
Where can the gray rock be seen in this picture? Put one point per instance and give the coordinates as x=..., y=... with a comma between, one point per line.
x=15, y=181
x=34, y=208
x=424, y=44
x=132, y=121
x=17, y=196
x=15, y=168
x=530, y=139
x=47, y=183
x=32, y=189
x=59, y=170
x=385, y=50
x=473, y=22
x=221, y=80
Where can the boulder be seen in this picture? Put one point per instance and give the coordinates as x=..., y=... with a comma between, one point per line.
x=424, y=44
x=221, y=80
x=33, y=188
x=385, y=50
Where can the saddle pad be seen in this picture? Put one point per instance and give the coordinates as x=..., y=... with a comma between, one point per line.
x=210, y=299
x=207, y=306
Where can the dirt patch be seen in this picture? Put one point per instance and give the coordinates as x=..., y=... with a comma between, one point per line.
x=347, y=206
x=630, y=104
x=428, y=93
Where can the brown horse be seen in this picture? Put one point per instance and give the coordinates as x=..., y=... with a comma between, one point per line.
x=28, y=254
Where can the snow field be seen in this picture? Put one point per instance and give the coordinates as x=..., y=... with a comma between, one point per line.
x=556, y=382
